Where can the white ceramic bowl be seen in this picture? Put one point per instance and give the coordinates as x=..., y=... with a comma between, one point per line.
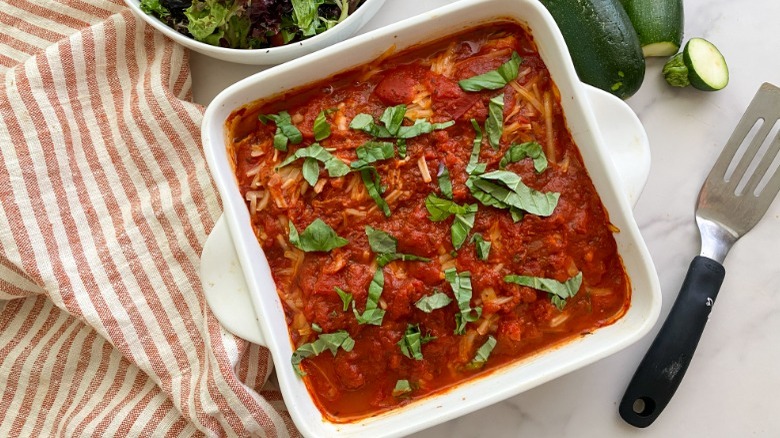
x=274, y=55
x=509, y=380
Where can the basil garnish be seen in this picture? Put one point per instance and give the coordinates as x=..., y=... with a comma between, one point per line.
x=365, y=122
x=371, y=152
x=504, y=189
x=559, y=292
x=462, y=224
x=373, y=184
x=318, y=236
x=384, y=259
x=474, y=165
x=440, y=209
x=422, y=126
x=285, y=130
x=401, y=387
x=493, y=80
x=494, y=125
x=316, y=327
x=385, y=246
x=461, y=288
x=393, y=118
x=310, y=170
x=445, y=185
x=380, y=241
x=517, y=152
x=401, y=145
x=429, y=303
x=345, y=296
x=327, y=341
x=412, y=341
x=321, y=127
x=372, y=314
x=333, y=165
x=482, y=246
x=483, y=353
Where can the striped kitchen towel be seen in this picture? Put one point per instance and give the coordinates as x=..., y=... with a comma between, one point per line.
x=105, y=204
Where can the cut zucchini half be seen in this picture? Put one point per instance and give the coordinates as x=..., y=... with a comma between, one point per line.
x=658, y=23
x=707, y=69
x=665, y=48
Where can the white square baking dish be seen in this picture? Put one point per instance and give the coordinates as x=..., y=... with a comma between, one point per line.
x=502, y=383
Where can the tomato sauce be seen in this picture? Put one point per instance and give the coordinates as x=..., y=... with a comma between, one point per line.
x=576, y=237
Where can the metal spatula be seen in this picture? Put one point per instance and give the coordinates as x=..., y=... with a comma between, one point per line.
x=730, y=203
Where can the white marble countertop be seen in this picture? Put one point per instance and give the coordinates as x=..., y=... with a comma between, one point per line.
x=731, y=387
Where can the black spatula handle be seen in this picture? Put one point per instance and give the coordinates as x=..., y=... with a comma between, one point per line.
x=664, y=365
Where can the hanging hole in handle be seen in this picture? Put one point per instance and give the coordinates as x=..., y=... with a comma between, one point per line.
x=643, y=406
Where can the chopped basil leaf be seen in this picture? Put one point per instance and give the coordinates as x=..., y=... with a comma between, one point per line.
x=495, y=79
x=482, y=246
x=380, y=241
x=318, y=236
x=385, y=246
x=365, y=122
x=316, y=327
x=333, y=165
x=483, y=353
x=440, y=209
x=494, y=125
x=372, y=314
x=462, y=224
x=327, y=341
x=401, y=145
x=285, y=130
x=393, y=118
x=371, y=180
x=474, y=165
x=429, y=303
x=412, y=341
x=345, y=296
x=443, y=125
x=384, y=259
x=445, y=185
x=401, y=387
x=516, y=194
x=520, y=151
x=422, y=126
x=369, y=316
x=321, y=127
x=559, y=292
x=461, y=288
x=310, y=170
x=372, y=151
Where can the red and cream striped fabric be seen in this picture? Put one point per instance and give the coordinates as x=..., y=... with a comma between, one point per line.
x=104, y=207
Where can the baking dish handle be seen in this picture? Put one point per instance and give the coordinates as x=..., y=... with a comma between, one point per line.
x=224, y=286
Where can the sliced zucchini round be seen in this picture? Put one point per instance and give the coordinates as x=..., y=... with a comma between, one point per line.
x=707, y=69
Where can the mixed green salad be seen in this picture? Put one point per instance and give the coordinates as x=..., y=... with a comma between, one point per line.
x=250, y=24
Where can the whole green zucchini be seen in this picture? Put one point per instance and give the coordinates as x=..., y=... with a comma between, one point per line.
x=602, y=42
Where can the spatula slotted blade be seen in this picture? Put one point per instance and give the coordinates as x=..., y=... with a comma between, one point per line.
x=730, y=198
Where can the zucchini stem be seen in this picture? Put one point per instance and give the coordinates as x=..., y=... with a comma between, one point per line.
x=675, y=71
